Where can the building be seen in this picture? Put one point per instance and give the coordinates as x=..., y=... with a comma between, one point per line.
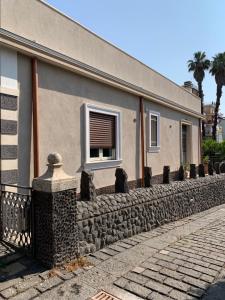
x=209, y=112
x=96, y=105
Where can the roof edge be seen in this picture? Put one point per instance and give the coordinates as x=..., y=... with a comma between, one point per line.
x=111, y=44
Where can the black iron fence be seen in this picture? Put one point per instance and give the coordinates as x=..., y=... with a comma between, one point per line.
x=16, y=215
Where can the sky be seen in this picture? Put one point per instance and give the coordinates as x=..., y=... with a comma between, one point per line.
x=163, y=34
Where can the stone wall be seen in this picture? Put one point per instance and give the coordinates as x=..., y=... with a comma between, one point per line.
x=117, y=216
x=134, y=184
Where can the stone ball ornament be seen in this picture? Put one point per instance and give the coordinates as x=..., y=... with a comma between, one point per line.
x=54, y=158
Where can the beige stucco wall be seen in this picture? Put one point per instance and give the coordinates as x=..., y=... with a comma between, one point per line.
x=38, y=22
x=170, y=139
x=62, y=96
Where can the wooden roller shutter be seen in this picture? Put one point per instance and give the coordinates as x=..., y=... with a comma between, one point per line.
x=102, y=130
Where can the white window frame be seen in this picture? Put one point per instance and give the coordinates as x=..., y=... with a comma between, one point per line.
x=98, y=163
x=150, y=147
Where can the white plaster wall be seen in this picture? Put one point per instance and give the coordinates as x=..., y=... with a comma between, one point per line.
x=8, y=68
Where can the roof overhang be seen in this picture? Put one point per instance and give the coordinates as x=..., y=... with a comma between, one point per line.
x=34, y=49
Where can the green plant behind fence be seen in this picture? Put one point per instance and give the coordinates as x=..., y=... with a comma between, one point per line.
x=214, y=150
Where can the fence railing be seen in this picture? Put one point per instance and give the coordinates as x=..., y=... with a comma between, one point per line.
x=16, y=215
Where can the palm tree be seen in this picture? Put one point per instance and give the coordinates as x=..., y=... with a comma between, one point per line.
x=218, y=70
x=199, y=65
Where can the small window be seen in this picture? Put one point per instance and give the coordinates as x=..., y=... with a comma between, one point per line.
x=154, y=131
x=102, y=137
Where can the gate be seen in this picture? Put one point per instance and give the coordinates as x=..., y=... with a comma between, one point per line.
x=16, y=215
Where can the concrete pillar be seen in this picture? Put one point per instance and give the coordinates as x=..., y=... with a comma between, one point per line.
x=55, y=228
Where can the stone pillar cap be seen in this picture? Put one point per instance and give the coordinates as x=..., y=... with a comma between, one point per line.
x=54, y=179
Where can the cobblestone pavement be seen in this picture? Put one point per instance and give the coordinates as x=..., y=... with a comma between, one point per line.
x=181, y=260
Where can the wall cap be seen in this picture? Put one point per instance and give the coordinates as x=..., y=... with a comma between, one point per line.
x=54, y=179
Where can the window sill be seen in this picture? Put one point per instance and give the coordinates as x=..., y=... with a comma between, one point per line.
x=154, y=149
x=97, y=165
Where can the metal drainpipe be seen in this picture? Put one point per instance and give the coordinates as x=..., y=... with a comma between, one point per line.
x=200, y=142
x=142, y=141
x=35, y=117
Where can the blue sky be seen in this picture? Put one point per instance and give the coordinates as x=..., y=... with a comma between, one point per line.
x=163, y=34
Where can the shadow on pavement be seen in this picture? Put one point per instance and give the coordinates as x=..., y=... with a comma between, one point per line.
x=215, y=291
x=16, y=264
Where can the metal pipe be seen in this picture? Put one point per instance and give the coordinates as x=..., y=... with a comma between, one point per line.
x=200, y=142
x=142, y=141
x=35, y=117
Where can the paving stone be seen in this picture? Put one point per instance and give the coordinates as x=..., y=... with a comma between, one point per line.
x=138, y=278
x=177, y=284
x=27, y=283
x=206, y=271
x=171, y=273
x=164, y=257
x=131, y=257
x=157, y=296
x=158, y=287
x=70, y=275
x=168, y=265
x=175, y=294
x=114, y=267
x=123, y=245
x=152, y=260
x=199, y=262
x=207, y=278
x=195, y=282
x=176, y=255
x=154, y=275
x=10, y=292
x=214, y=267
x=44, y=275
x=130, y=242
x=137, y=289
x=151, y=266
x=196, y=291
x=109, y=251
x=97, y=278
x=121, y=282
x=116, y=248
x=138, y=270
x=189, y=272
x=48, y=284
x=165, y=252
x=179, y=262
x=93, y=260
x=8, y=283
x=79, y=271
x=101, y=255
x=29, y=294
x=69, y=290
x=213, y=261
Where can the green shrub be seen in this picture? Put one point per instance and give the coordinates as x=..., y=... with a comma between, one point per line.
x=210, y=147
